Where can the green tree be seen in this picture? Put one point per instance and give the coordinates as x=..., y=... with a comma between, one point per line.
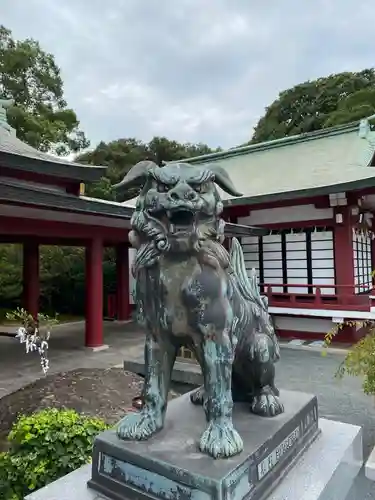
x=10, y=275
x=334, y=100
x=120, y=155
x=62, y=279
x=32, y=78
x=354, y=107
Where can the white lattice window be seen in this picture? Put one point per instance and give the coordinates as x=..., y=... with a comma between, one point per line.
x=293, y=257
x=323, y=261
x=264, y=254
x=362, y=262
x=296, y=262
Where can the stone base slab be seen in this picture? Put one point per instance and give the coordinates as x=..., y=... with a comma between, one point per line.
x=370, y=466
x=326, y=471
x=170, y=466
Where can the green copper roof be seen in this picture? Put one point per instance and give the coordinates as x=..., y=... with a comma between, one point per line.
x=276, y=143
x=322, y=162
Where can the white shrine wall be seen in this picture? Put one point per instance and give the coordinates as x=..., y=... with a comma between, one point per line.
x=297, y=213
x=305, y=325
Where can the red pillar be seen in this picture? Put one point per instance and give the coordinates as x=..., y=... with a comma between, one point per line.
x=344, y=265
x=31, y=287
x=373, y=262
x=343, y=250
x=122, y=271
x=94, y=293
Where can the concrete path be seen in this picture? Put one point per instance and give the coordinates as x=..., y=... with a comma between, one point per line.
x=338, y=400
x=66, y=352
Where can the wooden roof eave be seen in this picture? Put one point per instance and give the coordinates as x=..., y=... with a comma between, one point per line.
x=240, y=230
x=65, y=170
x=355, y=185
x=26, y=195
x=12, y=193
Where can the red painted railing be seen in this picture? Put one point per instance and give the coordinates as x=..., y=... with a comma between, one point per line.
x=343, y=297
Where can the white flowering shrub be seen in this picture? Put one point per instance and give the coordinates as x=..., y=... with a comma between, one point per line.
x=34, y=333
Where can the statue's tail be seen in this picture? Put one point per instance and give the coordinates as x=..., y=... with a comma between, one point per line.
x=249, y=289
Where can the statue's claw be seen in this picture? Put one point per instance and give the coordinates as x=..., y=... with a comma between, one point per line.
x=267, y=404
x=221, y=440
x=197, y=397
x=138, y=426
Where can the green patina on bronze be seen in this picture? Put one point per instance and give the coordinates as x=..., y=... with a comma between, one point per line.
x=190, y=292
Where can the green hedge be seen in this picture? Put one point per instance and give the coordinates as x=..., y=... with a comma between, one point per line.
x=44, y=447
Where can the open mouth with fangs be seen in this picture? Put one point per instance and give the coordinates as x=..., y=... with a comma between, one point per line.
x=179, y=220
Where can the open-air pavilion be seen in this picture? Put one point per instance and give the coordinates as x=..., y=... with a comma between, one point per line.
x=41, y=203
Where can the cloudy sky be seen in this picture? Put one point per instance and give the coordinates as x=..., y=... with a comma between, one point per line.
x=192, y=70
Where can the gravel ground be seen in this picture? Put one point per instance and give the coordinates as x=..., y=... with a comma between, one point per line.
x=104, y=393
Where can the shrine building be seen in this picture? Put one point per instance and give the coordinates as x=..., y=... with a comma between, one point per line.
x=315, y=194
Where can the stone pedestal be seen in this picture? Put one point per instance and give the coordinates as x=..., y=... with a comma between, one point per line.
x=277, y=462
x=170, y=465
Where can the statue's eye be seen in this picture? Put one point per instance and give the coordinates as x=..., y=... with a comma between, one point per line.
x=163, y=188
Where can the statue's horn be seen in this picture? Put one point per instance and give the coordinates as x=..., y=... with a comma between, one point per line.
x=223, y=180
x=136, y=177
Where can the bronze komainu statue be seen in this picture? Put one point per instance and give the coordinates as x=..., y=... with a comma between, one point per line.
x=191, y=292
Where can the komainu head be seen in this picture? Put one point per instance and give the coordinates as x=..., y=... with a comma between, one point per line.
x=178, y=207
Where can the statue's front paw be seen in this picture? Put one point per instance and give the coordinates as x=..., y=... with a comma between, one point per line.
x=197, y=397
x=221, y=440
x=139, y=426
x=267, y=404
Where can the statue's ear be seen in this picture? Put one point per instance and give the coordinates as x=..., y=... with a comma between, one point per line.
x=136, y=177
x=223, y=180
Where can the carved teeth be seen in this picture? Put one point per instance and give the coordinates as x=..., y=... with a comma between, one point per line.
x=171, y=228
